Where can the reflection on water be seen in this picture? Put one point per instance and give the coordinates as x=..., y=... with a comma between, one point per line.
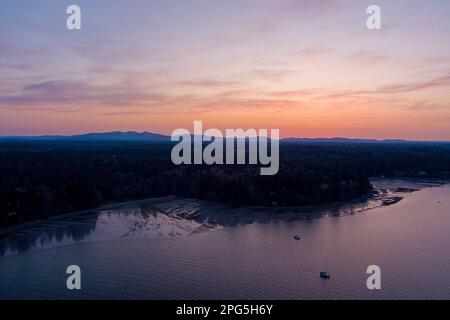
x=181, y=217
x=127, y=222
x=163, y=250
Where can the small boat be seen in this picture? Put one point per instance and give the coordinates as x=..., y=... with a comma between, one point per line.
x=296, y=237
x=324, y=275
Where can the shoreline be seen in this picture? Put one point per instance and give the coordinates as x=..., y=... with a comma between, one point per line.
x=117, y=205
x=114, y=205
x=376, y=193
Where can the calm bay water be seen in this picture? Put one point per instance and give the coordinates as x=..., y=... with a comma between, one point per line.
x=134, y=253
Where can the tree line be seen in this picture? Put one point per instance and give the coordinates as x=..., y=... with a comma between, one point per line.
x=40, y=179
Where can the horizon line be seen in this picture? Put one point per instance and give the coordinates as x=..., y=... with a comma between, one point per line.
x=168, y=136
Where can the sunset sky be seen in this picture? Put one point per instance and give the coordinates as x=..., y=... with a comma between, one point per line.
x=308, y=67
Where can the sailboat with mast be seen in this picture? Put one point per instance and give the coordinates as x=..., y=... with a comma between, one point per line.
x=324, y=274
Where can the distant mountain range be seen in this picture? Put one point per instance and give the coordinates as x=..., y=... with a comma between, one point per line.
x=102, y=136
x=154, y=137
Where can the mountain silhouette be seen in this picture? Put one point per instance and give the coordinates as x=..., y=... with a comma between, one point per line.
x=155, y=137
x=100, y=136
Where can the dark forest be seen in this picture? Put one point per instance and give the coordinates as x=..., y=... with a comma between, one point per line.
x=40, y=179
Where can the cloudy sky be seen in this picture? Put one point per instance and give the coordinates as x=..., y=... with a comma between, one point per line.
x=308, y=67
